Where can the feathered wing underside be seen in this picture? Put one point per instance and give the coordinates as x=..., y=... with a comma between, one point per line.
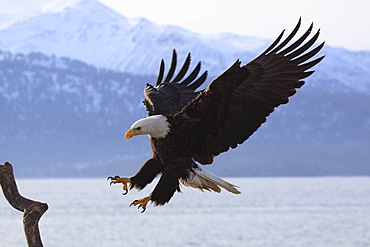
x=237, y=102
x=170, y=95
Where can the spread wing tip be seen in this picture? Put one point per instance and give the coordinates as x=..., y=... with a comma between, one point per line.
x=190, y=81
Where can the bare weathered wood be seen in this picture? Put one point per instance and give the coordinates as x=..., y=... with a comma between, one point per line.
x=33, y=210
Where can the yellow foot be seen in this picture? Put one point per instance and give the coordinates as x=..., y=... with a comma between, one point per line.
x=141, y=202
x=123, y=180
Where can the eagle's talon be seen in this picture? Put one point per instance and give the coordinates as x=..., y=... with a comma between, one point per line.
x=141, y=203
x=123, y=180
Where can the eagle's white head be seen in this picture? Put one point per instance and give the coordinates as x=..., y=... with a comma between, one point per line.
x=155, y=126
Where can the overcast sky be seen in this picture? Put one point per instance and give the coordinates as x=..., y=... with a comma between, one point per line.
x=343, y=23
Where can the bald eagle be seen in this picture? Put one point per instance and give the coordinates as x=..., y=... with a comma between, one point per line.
x=187, y=128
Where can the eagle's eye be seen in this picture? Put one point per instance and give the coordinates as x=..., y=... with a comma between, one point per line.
x=138, y=128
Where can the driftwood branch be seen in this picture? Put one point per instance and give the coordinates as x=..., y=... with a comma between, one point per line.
x=32, y=210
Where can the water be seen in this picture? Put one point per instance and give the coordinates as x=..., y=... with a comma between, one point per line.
x=269, y=212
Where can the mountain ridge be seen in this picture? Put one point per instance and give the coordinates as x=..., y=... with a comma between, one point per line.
x=66, y=32
x=91, y=32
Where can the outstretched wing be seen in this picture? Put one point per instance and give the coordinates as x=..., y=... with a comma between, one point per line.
x=169, y=96
x=237, y=102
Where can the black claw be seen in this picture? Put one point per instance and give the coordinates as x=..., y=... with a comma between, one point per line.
x=115, y=177
x=125, y=193
x=133, y=203
x=140, y=206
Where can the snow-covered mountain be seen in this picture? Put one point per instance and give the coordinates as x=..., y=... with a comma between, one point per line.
x=89, y=31
x=92, y=32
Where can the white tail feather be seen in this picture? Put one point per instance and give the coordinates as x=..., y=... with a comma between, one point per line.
x=206, y=180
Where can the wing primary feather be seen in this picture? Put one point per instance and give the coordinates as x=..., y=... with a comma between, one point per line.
x=308, y=55
x=304, y=47
x=172, y=67
x=289, y=38
x=289, y=76
x=294, y=67
x=308, y=65
x=183, y=69
x=160, y=74
x=192, y=76
x=198, y=81
x=292, y=63
x=293, y=57
x=277, y=40
x=298, y=42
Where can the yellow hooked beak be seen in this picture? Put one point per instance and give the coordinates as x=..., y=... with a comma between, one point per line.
x=130, y=133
